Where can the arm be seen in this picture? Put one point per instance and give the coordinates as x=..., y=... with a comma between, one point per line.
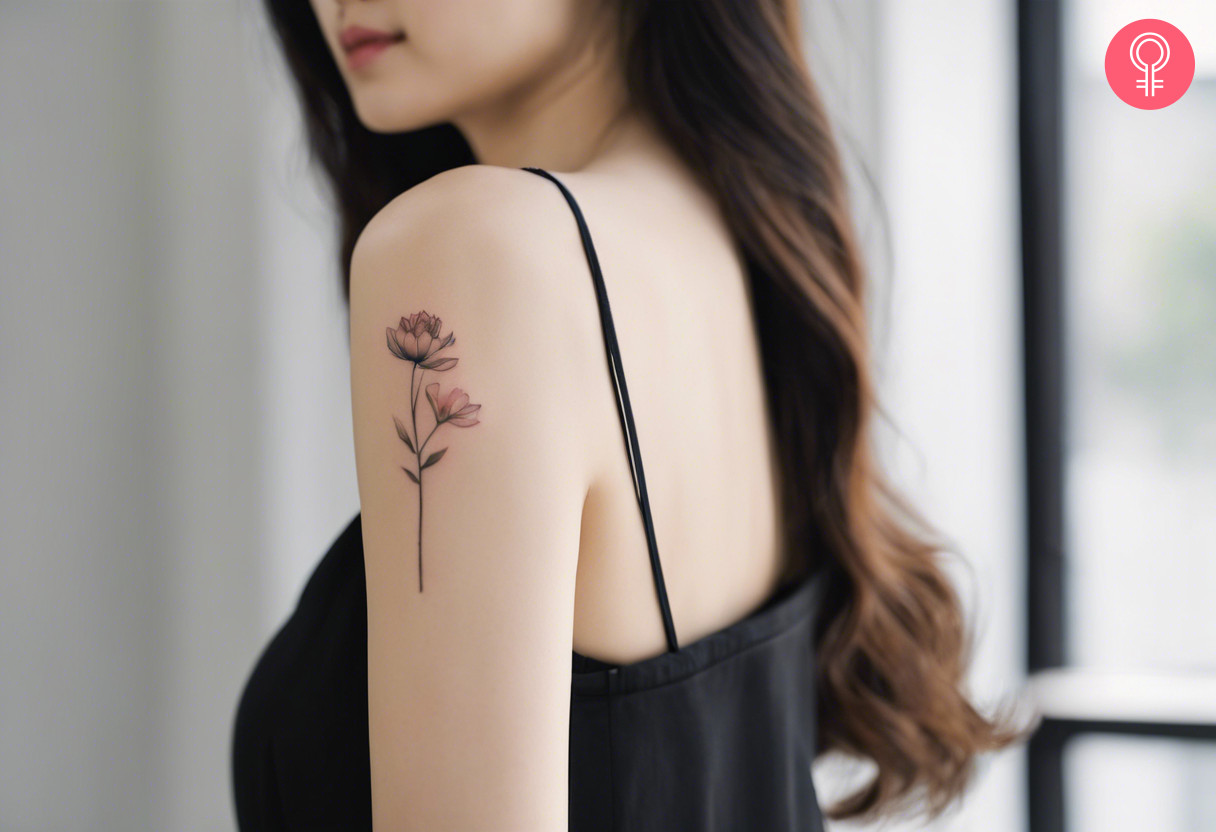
x=472, y=474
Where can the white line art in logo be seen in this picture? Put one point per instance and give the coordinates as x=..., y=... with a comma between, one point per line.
x=1151, y=83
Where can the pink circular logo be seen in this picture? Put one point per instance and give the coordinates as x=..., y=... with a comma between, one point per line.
x=1150, y=64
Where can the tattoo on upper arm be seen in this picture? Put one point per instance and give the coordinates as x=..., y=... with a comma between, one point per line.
x=417, y=340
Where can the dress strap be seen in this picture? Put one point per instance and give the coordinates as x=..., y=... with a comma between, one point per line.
x=617, y=372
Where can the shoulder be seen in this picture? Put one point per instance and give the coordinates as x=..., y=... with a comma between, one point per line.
x=490, y=258
x=475, y=220
x=495, y=253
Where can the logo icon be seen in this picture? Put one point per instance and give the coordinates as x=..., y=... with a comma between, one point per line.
x=1150, y=64
x=1151, y=82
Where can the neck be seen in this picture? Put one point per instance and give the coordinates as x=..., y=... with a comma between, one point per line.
x=566, y=120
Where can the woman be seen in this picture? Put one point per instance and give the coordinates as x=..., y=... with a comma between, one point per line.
x=503, y=168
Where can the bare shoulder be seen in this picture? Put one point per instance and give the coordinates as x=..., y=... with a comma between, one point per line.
x=491, y=257
x=480, y=215
x=495, y=252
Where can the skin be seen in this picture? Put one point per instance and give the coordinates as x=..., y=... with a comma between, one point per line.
x=473, y=572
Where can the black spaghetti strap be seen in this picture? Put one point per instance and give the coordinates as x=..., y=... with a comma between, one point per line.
x=617, y=371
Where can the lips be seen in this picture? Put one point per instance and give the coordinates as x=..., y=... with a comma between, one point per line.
x=353, y=37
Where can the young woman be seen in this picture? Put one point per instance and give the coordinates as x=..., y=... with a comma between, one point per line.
x=502, y=170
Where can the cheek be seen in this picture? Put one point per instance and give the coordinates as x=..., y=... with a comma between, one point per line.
x=475, y=47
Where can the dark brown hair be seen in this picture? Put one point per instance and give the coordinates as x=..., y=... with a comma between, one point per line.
x=726, y=82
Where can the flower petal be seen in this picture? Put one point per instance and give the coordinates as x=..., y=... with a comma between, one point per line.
x=409, y=345
x=393, y=347
x=466, y=416
x=439, y=363
x=432, y=392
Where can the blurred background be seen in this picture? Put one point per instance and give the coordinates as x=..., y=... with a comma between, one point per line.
x=175, y=437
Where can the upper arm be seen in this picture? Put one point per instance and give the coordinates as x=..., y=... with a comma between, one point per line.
x=470, y=570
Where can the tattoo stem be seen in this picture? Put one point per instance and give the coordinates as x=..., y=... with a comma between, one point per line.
x=424, y=441
x=413, y=405
x=414, y=419
x=420, y=529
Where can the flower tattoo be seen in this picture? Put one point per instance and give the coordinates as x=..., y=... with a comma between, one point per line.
x=417, y=339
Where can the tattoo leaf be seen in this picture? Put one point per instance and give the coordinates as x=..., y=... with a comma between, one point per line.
x=433, y=458
x=403, y=434
x=409, y=473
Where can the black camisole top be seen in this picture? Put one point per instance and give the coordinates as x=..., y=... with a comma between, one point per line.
x=715, y=735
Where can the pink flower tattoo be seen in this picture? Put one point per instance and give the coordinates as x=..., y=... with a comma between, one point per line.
x=417, y=339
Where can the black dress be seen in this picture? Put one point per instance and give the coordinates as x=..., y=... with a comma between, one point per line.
x=718, y=734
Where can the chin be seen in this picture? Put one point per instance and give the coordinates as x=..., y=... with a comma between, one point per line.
x=384, y=112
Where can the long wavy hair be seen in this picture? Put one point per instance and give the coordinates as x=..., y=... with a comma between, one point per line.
x=728, y=85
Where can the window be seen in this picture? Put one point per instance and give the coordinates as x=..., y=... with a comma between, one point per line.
x=1119, y=258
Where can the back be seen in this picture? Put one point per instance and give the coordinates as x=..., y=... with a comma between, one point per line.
x=718, y=732
x=682, y=318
